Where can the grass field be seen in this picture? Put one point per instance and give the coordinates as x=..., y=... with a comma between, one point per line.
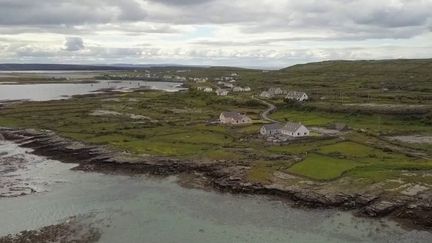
x=178, y=124
x=320, y=167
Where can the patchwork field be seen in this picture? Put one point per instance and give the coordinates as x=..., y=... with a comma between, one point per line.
x=181, y=125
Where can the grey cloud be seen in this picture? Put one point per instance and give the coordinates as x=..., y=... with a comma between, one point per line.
x=254, y=16
x=260, y=22
x=68, y=12
x=74, y=44
x=182, y=2
x=408, y=14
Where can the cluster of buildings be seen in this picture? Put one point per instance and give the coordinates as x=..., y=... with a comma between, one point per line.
x=272, y=93
x=282, y=131
x=234, y=118
x=232, y=78
x=205, y=89
x=175, y=78
x=199, y=80
x=288, y=95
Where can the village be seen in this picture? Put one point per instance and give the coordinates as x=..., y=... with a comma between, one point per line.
x=228, y=85
x=271, y=131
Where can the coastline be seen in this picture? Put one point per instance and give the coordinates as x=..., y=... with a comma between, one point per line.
x=220, y=176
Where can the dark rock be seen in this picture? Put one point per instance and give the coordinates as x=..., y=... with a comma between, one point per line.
x=381, y=208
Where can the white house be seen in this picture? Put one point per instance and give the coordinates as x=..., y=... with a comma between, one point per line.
x=298, y=96
x=200, y=80
x=234, y=118
x=228, y=85
x=208, y=90
x=222, y=92
x=276, y=91
x=290, y=129
x=241, y=89
x=266, y=94
x=237, y=89
x=295, y=130
x=205, y=89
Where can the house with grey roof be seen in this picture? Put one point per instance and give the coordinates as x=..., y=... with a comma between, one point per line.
x=276, y=91
x=297, y=96
x=294, y=129
x=241, y=89
x=266, y=94
x=290, y=129
x=222, y=92
x=205, y=89
x=271, y=129
x=234, y=118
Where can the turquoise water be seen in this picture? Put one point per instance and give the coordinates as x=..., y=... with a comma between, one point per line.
x=145, y=209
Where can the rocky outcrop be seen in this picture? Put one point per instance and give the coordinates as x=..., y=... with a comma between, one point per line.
x=223, y=176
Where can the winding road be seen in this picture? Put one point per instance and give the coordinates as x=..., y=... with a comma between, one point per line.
x=271, y=108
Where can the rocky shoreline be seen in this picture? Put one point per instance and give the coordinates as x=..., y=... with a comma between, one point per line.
x=74, y=229
x=222, y=176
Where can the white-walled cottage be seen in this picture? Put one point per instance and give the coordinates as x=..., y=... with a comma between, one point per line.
x=234, y=118
x=266, y=94
x=276, y=91
x=222, y=92
x=295, y=130
x=290, y=129
x=297, y=96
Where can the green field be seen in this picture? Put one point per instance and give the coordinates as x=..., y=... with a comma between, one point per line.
x=179, y=125
x=320, y=167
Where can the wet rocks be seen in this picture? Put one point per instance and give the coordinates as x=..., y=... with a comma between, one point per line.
x=382, y=208
x=226, y=176
x=75, y=229
x=418, y=214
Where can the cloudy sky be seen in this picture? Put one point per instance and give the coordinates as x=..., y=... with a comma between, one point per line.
x=262, y=33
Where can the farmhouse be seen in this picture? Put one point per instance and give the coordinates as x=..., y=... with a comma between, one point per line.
x=266, y=94
x=241, y=89
x=290, y=129
x=222, y=92
x=234, y=118
x=200, y=80
x=205, y=89
x=228, y=85
x=271, y=129
x=295, y=130
x=276, y=91
x=298, y=96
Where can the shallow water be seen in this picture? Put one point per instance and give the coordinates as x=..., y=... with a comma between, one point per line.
x=55, y=91
x=143, y=209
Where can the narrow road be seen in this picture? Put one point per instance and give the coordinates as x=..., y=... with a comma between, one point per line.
x=271, y=108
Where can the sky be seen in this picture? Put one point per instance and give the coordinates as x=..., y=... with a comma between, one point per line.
x=246, y=33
